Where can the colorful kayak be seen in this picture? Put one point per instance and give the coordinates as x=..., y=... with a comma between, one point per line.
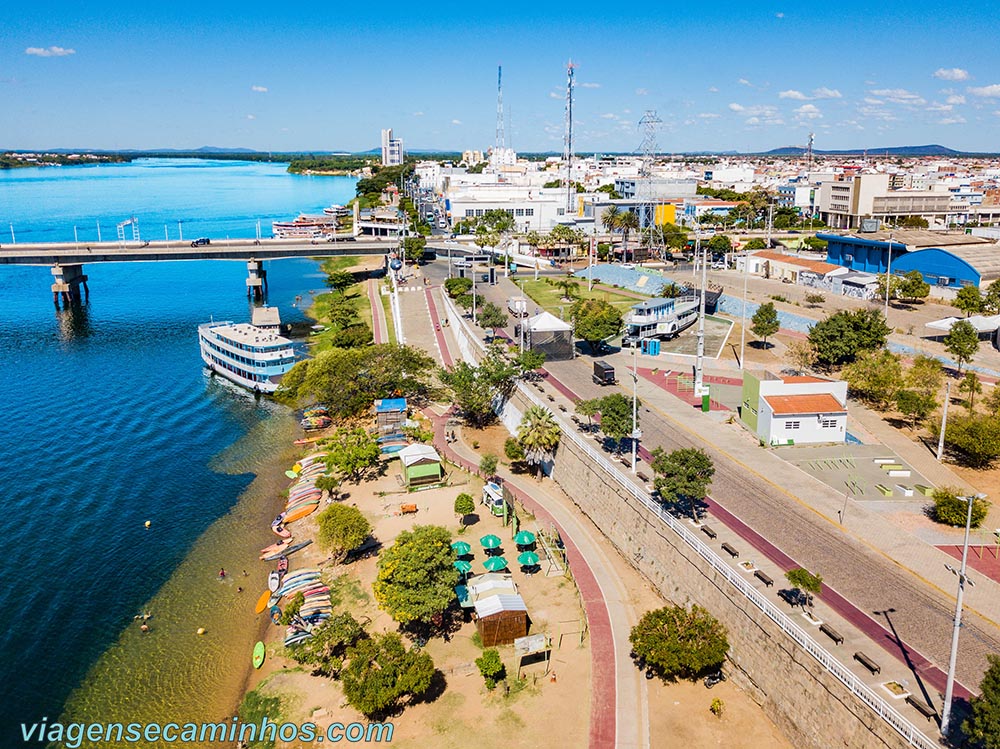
x=262, y=601
x=288, y=552
x=301, y=513
x=273, y=581
x=258, y=654
x=276, y=615
x=282, y=565
x=281, y=531
x=291, y=474
x=275, y=549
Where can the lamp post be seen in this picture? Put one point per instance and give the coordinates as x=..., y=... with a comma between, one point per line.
x=636, y=433
x=743, y=324
x=944, y=420
x=699, y=367
x=888, y=278
x=962, y=580
x=520, y=324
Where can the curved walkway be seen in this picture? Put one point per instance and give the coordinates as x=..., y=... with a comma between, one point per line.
x=379, y=328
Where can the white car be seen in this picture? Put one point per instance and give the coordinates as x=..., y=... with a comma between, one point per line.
x=628, y=266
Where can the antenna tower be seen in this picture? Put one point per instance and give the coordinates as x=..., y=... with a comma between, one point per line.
x=569, y=137
x=809, y=150
x=650, y=233
x=500, y=135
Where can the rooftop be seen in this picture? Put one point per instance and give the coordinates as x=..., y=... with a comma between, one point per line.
x=918, y=238
x=816, y=266
x=248, y=334
x=789, y=405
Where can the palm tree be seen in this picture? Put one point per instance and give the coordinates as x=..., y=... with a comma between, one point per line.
x=538, y=434
x=628, y=221
x=610, y=219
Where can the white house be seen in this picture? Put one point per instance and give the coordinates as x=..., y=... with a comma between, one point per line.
x=794, y=410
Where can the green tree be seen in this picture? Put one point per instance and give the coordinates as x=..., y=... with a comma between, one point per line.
x=670, y=290
x=755, y=244
x=491, y=667
x=292, y=609
x=455, y=287
x=416, y=580
x=949, y=508
x=414, y=248
x=352, y=452
x=806, y=583
x=969, y=300
x=342, y=529
x=352, y=336
x=838, y=339
x=991, y=299
x=590, y=408
x=962, y=341
x=971, y=385
x=342, y=313
x=915, y=405
x=895, y=284
x=616, y=417
x=983, y=724
x=628, y=222
x=765, y=322
x=974, y=439
x=529, y=361
x=488, y=465
x=465, y=505
x=913, y=286
x=569, y=286
x=328, y=483
x=875, y=377
x=476, y=387
x=720, y=244
x=993, y=401
x=539, y=435
x=801, y=356
x=491, y=317
x=925, y=376
x=677, y=643
x=381, y=672
x=595, y=320
x=682, y=474
x=326, y=649
x=512, y=450
x=340, y=280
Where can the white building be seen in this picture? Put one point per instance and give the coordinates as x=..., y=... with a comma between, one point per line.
x=392, y=149
x=799, y=410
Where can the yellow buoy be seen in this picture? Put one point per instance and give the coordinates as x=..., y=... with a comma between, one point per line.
x=201, y=630
x=148, y=523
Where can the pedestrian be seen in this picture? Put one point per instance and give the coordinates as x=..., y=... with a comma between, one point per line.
x=222, y=572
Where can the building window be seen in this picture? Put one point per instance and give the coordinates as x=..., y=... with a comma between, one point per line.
x=469, y=213
x=560, y=211
x=479, y=211
x=518, y=211
x=828, y=423
x=529, y=211
x=791, y=425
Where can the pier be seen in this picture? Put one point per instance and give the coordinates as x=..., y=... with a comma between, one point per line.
x=66, y=259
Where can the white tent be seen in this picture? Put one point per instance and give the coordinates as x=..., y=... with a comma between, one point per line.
x=982, y=323
x=546, y=322
x=414, y=454
x=547, y=333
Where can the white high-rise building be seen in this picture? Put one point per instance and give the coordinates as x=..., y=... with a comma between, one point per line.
x=392, y=149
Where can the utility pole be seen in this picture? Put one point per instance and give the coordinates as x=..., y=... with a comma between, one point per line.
x=743, y=324
x=590, y=263
x=944, y=419
x=888, y=282
x=636, y=434
x=962, y=580
x=520, y=324
x=699, y=374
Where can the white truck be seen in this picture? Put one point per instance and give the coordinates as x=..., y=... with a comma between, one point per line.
x=517, y=306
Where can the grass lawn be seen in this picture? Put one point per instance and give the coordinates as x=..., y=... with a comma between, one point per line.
x=331, y=264
x=390, y=325
x=548, y=296
x=357, y=295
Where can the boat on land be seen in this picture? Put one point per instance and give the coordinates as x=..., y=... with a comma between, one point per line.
x=300, y=513
x=289, y=551
x=273, y=581
x=251, y=357
x=262, y=602
x=259, y=653
x=661, y=317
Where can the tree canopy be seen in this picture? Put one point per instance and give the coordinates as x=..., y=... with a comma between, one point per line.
x=416, y=580
x=353, y=453
x=682, y=474
x=616, y=416
x=327, y=648
x=973, y=439
x=538, y=434
x=962, y=342
x=476, y=387
x=381, y=672
x=983, y=724
x=676, y=642
x=595, y=320
x=765, y=321
x=875, y=376
x=840, y=337
x=949, y=508
x=342, y=528
x=491, y=317
x=969, y=300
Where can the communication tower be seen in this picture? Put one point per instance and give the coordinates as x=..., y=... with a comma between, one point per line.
x=570, y=192
x=809, y=150
x=650, y=234
x=500, y=134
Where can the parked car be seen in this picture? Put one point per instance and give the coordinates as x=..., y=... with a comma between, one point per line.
x=201, y=242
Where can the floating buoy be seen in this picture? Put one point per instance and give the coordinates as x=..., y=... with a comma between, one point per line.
x=201, y=630
x=148, y=523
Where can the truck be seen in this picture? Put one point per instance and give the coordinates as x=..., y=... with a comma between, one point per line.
x=604, y=373
x=517, y=306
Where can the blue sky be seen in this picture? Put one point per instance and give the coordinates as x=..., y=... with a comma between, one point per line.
x=328, y=76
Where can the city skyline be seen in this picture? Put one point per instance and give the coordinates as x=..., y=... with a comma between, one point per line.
x=725, y=78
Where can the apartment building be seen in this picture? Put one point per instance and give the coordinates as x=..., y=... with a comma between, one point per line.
x=392, y=149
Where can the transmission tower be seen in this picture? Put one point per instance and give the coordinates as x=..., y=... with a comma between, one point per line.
x=500, y=135
x=569, y=138
x=809, y=150
x=650, y=233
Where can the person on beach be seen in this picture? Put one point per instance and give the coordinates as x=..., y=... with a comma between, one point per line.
x=222, y=573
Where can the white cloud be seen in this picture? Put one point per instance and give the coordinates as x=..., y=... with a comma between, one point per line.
x=792, y=94
x=259, y=89
x=779, y=15
x=418, y=114
x=609, y=116
x=826, y=93
x=713, y=90
x=251, y=117
x=709, y=116
x=744, y=82
x=989, y=92
x=939, y=107
x=590, y=85
x=758, y=114
x=951, y=74
x=873, y=101
x=753, y=121
x=49, y=51
x=900, y=96
x=808, y=112
x=955, y=99
x=555, y=95
x=956, y=120
x=641, y=92
x=456, y=122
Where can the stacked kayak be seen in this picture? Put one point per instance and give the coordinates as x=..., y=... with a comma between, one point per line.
x=310, y=423
x=303, y=496
x=316, y=606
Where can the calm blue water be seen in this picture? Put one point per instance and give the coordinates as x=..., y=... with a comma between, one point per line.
x=108, y=418
x=210, y=198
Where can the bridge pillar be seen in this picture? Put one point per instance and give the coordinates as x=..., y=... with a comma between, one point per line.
x=67, y=280
x=256, y=280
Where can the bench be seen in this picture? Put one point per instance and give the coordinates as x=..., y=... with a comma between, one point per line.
x=642, y=477
x=927, y=491
x=768, y=582
x=708, y=531
x=867, y=662
x=921, y=707
x=730, y=550
x=833, y=634
x=884, y=490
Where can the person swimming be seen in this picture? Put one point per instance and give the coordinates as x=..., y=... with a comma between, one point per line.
x=222, y=572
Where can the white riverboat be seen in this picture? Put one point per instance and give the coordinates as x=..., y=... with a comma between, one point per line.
x=659, y=318
x=255, y=358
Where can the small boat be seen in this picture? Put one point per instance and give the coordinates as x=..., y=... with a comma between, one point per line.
x=300, y=513
x=262, y=602
x=276, y=615
x=281, y=531
x=259, y=653
x=273, y=581
x=275, y=549
x=291, y=474
x=282, y=565
x=273, y=600
x=288, y=552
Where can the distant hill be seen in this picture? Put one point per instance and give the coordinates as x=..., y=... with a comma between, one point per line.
x=930, y=150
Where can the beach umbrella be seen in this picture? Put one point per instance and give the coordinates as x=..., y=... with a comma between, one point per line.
x=524, y=538
x=462, y=566
x=490, y=541
x=495, y=564
x=527, y=559
x=461, y=548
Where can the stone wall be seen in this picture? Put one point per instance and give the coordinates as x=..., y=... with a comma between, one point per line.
x=811, y=706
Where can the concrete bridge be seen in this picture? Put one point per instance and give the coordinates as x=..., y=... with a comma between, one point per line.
x=68, y=258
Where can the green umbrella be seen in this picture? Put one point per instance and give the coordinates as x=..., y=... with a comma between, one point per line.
x=524, y=538
x=495, y=564
x=490, y=541
x=461, y=548
x=527, y=559
x=462, y=566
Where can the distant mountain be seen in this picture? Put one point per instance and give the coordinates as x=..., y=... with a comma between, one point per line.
x=930, y=150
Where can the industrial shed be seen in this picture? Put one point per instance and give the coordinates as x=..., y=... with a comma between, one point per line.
x=501, y=619
x=421, y=466
x=549, y=335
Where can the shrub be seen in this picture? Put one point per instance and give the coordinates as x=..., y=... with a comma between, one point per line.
x=464, y=504
x=717, y=707
x=491, y=667
x=381, y=671
x=513, y=450
x=950, y=509
x=676, y=642
x=292, y=609
x=488, y=465
x=343, y=528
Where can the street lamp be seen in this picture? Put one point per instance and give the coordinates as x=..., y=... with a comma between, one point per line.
x=636, y=432
x=962, y=580
x=743, y=323
x=888, y=278
x=699, y=369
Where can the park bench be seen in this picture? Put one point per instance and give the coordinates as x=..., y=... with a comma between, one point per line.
x=708, y=531
x=927, y=491
x=764, y=578
x=921, y=707
x=884, y=490
x=867, y=662
x=730, y=550
x=833, y=634
x=642, y=477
